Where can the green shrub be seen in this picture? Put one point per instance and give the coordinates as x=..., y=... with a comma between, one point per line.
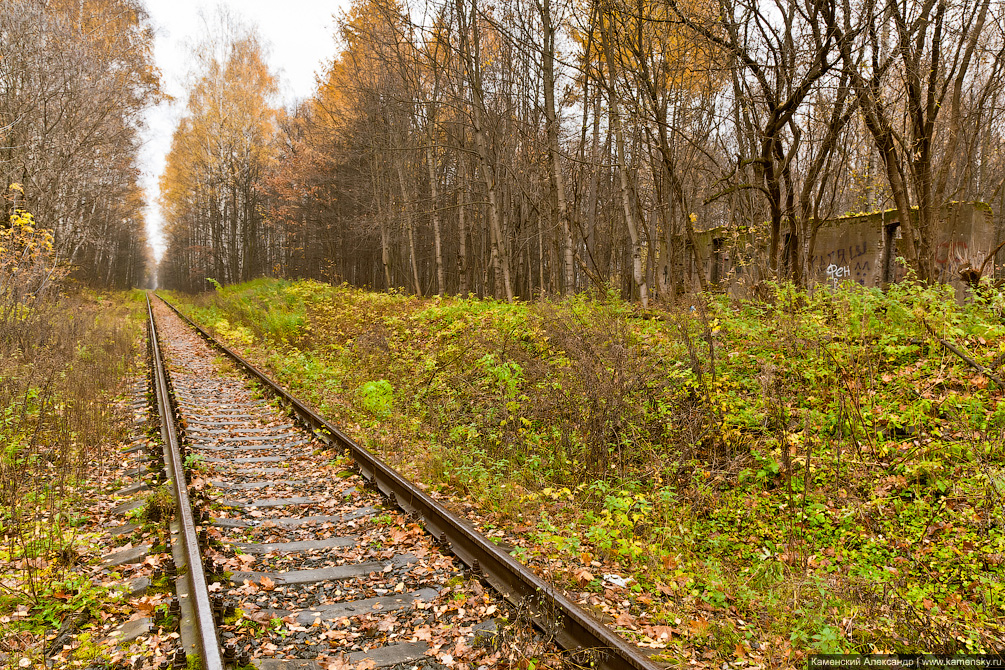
x=377, y=397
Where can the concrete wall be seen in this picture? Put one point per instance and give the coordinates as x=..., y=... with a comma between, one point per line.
x=863, y=249
x=859, y=248
x=853, y=249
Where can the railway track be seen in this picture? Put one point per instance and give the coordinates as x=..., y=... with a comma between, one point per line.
x=300, y=549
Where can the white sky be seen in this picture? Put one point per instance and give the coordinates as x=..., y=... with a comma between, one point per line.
x=298, y=34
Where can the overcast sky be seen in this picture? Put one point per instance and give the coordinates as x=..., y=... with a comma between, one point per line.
x=298, y=34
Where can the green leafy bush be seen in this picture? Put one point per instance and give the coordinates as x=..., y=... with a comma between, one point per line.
x=377, y=397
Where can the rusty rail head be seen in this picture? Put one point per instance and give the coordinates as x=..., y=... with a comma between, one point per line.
x=573, y=629
x=205, y=627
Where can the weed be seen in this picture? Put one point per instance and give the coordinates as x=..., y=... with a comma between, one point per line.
x=377, y=397
x=195, y=462
x=159, y=507
x=815, y=462
x=63, y=358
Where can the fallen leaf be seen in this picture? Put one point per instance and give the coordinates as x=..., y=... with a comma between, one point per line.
x=267, y=584
x=625, y=619
x=662, y=632
x=338, y=664
x=698, y=627
x=259, y=616
x=144, y=605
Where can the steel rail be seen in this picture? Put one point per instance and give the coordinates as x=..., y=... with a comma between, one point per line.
x=205, y=627
x=573, y=629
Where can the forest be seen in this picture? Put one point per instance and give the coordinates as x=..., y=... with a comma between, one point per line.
x=519, y=148
x=75, y=78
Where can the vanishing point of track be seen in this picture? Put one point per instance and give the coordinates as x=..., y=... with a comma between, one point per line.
x=283, y=515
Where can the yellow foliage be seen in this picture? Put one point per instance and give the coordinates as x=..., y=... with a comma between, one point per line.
x=649, y=38
x=372, y=33
x=27, y=262
x=224, y=141
x=118, y=28
x=22, y=243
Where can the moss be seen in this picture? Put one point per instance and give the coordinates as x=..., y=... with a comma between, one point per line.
x=232, y=620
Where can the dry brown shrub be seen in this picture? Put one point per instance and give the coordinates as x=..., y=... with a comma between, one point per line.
x=62, y=357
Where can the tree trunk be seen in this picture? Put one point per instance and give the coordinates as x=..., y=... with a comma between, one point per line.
x=626, y=191
x=441, y=283
x=409, y=228
x=554, y=157
x=385, y=250
x=462, y=246
x=500, y=259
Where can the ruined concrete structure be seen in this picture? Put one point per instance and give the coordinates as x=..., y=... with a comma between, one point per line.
x=863, y=248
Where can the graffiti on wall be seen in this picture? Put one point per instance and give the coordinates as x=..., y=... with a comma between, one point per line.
x=951, y=255
x=846, y=262
x=864, y=248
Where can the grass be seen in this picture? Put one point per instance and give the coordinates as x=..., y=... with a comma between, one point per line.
x=63, y=357
x=808, y=473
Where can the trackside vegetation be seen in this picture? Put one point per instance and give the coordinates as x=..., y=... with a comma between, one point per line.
x=64, y=357
x=722, y=480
